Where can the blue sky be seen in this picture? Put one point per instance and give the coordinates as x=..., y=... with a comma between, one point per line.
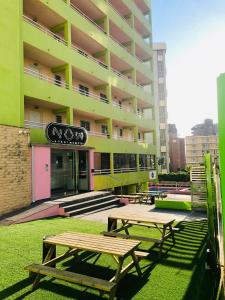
x=194, y=32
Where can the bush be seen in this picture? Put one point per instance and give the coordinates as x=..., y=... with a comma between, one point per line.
x=179, y=177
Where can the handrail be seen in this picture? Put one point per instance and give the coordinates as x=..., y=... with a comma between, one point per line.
x=80, y=51
x=102, y=171
x=117, y=12
x=125, y=170
x=45, y=77
x=89, y=94
x=45, y=30
x=127, y=139
x=95, y=133
x=86, y=17
x=34, y=124
x=87, y=55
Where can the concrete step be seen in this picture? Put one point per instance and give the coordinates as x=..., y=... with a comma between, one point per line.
x=81, y=198
x=94, y=207
x=87, y=202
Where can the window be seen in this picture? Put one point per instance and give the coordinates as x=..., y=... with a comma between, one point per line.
x=58, y=118
x=160, y=69
x=85, y=124
x=103, y=97
x=84, y=90
x=161, y=91
x=120, y=104
x=124, y=161
x=139, y=136
x=58, y=80
x=104, y=129
x=121, y=132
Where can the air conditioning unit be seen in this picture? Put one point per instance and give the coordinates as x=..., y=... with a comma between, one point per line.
x=152, y=174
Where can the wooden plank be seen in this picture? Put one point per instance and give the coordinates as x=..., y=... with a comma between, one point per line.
x=92, y=282
x=145, y=218
x=137, y=237
x=141, y=254
x=95, y=243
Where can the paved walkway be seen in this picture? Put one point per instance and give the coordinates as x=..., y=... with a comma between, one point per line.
x=102, y=216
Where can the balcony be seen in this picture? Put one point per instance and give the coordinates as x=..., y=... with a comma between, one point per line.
x=124, y=139
x=63, y=84
x=40, y=76
x=33, y=124
x=45, y=30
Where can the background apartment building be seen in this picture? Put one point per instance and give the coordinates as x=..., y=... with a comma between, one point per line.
x=82, y=63
x=204, y=139
x=160, y=93
x=176, y=150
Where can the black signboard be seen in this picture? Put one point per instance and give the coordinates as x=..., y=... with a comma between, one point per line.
x=58, y=133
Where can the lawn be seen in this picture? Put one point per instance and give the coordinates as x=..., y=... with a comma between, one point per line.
x=180, y=274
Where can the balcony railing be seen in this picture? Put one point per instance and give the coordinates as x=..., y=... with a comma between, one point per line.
x=33, y=124
x=144, y=168
x=38, y=75
x=45, y=30
x=88, y=56
x=82, y=52
x=99, y=27
x=123, y=138
x=125, y=170
x=100, y=134
x=92, y=95
x=86, y=17
x=102, y=171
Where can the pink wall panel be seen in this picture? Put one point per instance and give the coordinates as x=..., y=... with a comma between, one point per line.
x=91, y=167
x=41, y=173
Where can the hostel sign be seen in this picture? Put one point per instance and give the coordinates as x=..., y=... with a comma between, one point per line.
x=58, y=133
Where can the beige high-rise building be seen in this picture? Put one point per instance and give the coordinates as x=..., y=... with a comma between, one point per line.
x=196, y=146
x=160, y=92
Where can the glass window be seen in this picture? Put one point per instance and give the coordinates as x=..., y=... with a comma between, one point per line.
x=85, y=124
x=84, y=90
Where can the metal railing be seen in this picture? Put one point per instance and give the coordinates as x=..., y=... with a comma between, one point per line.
x=89, y=94
x=102, y=171
x=33, y=124
x=86, y=17
x=82, y=52
x=87, y=55
x=121, y=138
x=96, y=133
x=38, y=75
x=125, y=170
x=45, y=30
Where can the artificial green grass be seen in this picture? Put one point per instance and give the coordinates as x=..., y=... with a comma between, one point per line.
x=173, y=204
x=180, y=274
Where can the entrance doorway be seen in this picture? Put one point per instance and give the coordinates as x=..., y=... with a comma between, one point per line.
x=63, y=172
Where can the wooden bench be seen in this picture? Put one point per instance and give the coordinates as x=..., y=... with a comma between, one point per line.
x=95, y=283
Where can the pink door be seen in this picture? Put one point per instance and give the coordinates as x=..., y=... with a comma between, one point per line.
x=41, y=173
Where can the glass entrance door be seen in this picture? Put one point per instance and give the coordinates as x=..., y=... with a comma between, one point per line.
x=63, y=179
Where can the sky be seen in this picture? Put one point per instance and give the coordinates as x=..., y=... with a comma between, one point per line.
x=194, y=31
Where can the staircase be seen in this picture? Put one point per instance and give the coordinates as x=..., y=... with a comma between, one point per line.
x=198, y=188
x=87, y=203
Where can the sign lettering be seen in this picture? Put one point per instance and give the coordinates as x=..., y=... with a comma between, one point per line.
x=65, y=134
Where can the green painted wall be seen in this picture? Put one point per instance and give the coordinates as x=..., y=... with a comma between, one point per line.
x=11, y=93
x=221, y=131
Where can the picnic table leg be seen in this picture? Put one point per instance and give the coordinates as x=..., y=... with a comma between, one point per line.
x=172, y=234
x=162, y=241
x=49, y=252
x=112, y=224
x=136, y=263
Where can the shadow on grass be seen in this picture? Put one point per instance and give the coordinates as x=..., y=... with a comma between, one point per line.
x=188, y=253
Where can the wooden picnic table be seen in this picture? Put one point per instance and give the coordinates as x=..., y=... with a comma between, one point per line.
x=128, y=219
x=118, y=249
x=132, y=197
